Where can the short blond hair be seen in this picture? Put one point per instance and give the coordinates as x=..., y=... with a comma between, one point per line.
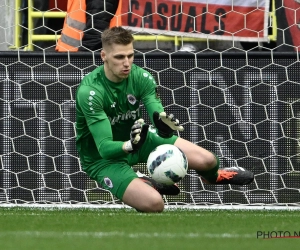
x=116, y=35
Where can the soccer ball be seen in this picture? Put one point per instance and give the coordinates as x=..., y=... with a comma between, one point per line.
x=167, y=164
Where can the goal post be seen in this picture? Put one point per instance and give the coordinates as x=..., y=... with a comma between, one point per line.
x=245, y=108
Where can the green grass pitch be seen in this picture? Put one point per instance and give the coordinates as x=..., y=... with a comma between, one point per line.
x=113, y=229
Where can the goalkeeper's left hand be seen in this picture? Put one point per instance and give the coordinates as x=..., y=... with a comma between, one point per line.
x=138, y=136
x=166, y=124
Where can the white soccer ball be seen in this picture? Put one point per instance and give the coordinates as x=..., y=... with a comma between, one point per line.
x=167, y=164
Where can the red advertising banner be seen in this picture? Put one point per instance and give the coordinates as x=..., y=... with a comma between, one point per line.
x=214, y=19
x=292, y=12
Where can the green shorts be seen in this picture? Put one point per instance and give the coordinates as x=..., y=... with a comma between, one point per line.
x=115, y=175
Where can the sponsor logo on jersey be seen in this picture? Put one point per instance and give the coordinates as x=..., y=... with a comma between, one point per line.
x=130, y=114
x=131, y=99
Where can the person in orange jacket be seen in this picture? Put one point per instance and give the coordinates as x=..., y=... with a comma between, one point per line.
x=84, y=23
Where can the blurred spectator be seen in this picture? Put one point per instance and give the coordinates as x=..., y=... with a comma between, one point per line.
x=84, y=24
x=99, y=14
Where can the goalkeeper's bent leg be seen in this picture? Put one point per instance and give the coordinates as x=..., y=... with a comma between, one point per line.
x=210, y=175
x=231, y=175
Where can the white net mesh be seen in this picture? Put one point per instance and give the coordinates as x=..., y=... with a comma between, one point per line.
x=238, y=100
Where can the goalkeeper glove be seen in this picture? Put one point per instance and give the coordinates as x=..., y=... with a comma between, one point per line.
x=138, y=136
x=166, y=124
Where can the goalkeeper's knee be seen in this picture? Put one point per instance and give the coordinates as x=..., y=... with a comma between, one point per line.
x=211, y=174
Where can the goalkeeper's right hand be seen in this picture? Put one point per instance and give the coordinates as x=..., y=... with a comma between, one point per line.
x=138, y=136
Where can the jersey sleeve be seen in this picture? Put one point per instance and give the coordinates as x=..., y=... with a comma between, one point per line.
x=107, y=148
x=90, y=100
x=150, y=96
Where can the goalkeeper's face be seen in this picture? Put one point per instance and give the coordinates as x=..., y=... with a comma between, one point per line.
x=117, y=60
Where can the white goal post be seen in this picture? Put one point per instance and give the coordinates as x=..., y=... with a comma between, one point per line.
x=242, y=105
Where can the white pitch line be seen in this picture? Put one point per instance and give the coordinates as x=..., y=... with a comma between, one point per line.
x=52, y=234
x=171, y=207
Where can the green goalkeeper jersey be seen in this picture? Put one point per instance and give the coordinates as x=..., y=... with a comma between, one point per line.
x=106, y=111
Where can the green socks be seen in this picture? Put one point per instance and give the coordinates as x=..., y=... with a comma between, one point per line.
x=212, y=174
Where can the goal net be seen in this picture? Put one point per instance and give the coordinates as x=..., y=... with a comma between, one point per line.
x=241, y=104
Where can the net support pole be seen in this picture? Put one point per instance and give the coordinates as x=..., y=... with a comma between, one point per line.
x=30, y=25
x=18, y=35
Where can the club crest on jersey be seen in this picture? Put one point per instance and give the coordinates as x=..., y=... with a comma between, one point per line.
x=108, y=182
x=131, y=99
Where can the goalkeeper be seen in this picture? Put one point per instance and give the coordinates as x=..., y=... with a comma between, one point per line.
x=112, y=137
